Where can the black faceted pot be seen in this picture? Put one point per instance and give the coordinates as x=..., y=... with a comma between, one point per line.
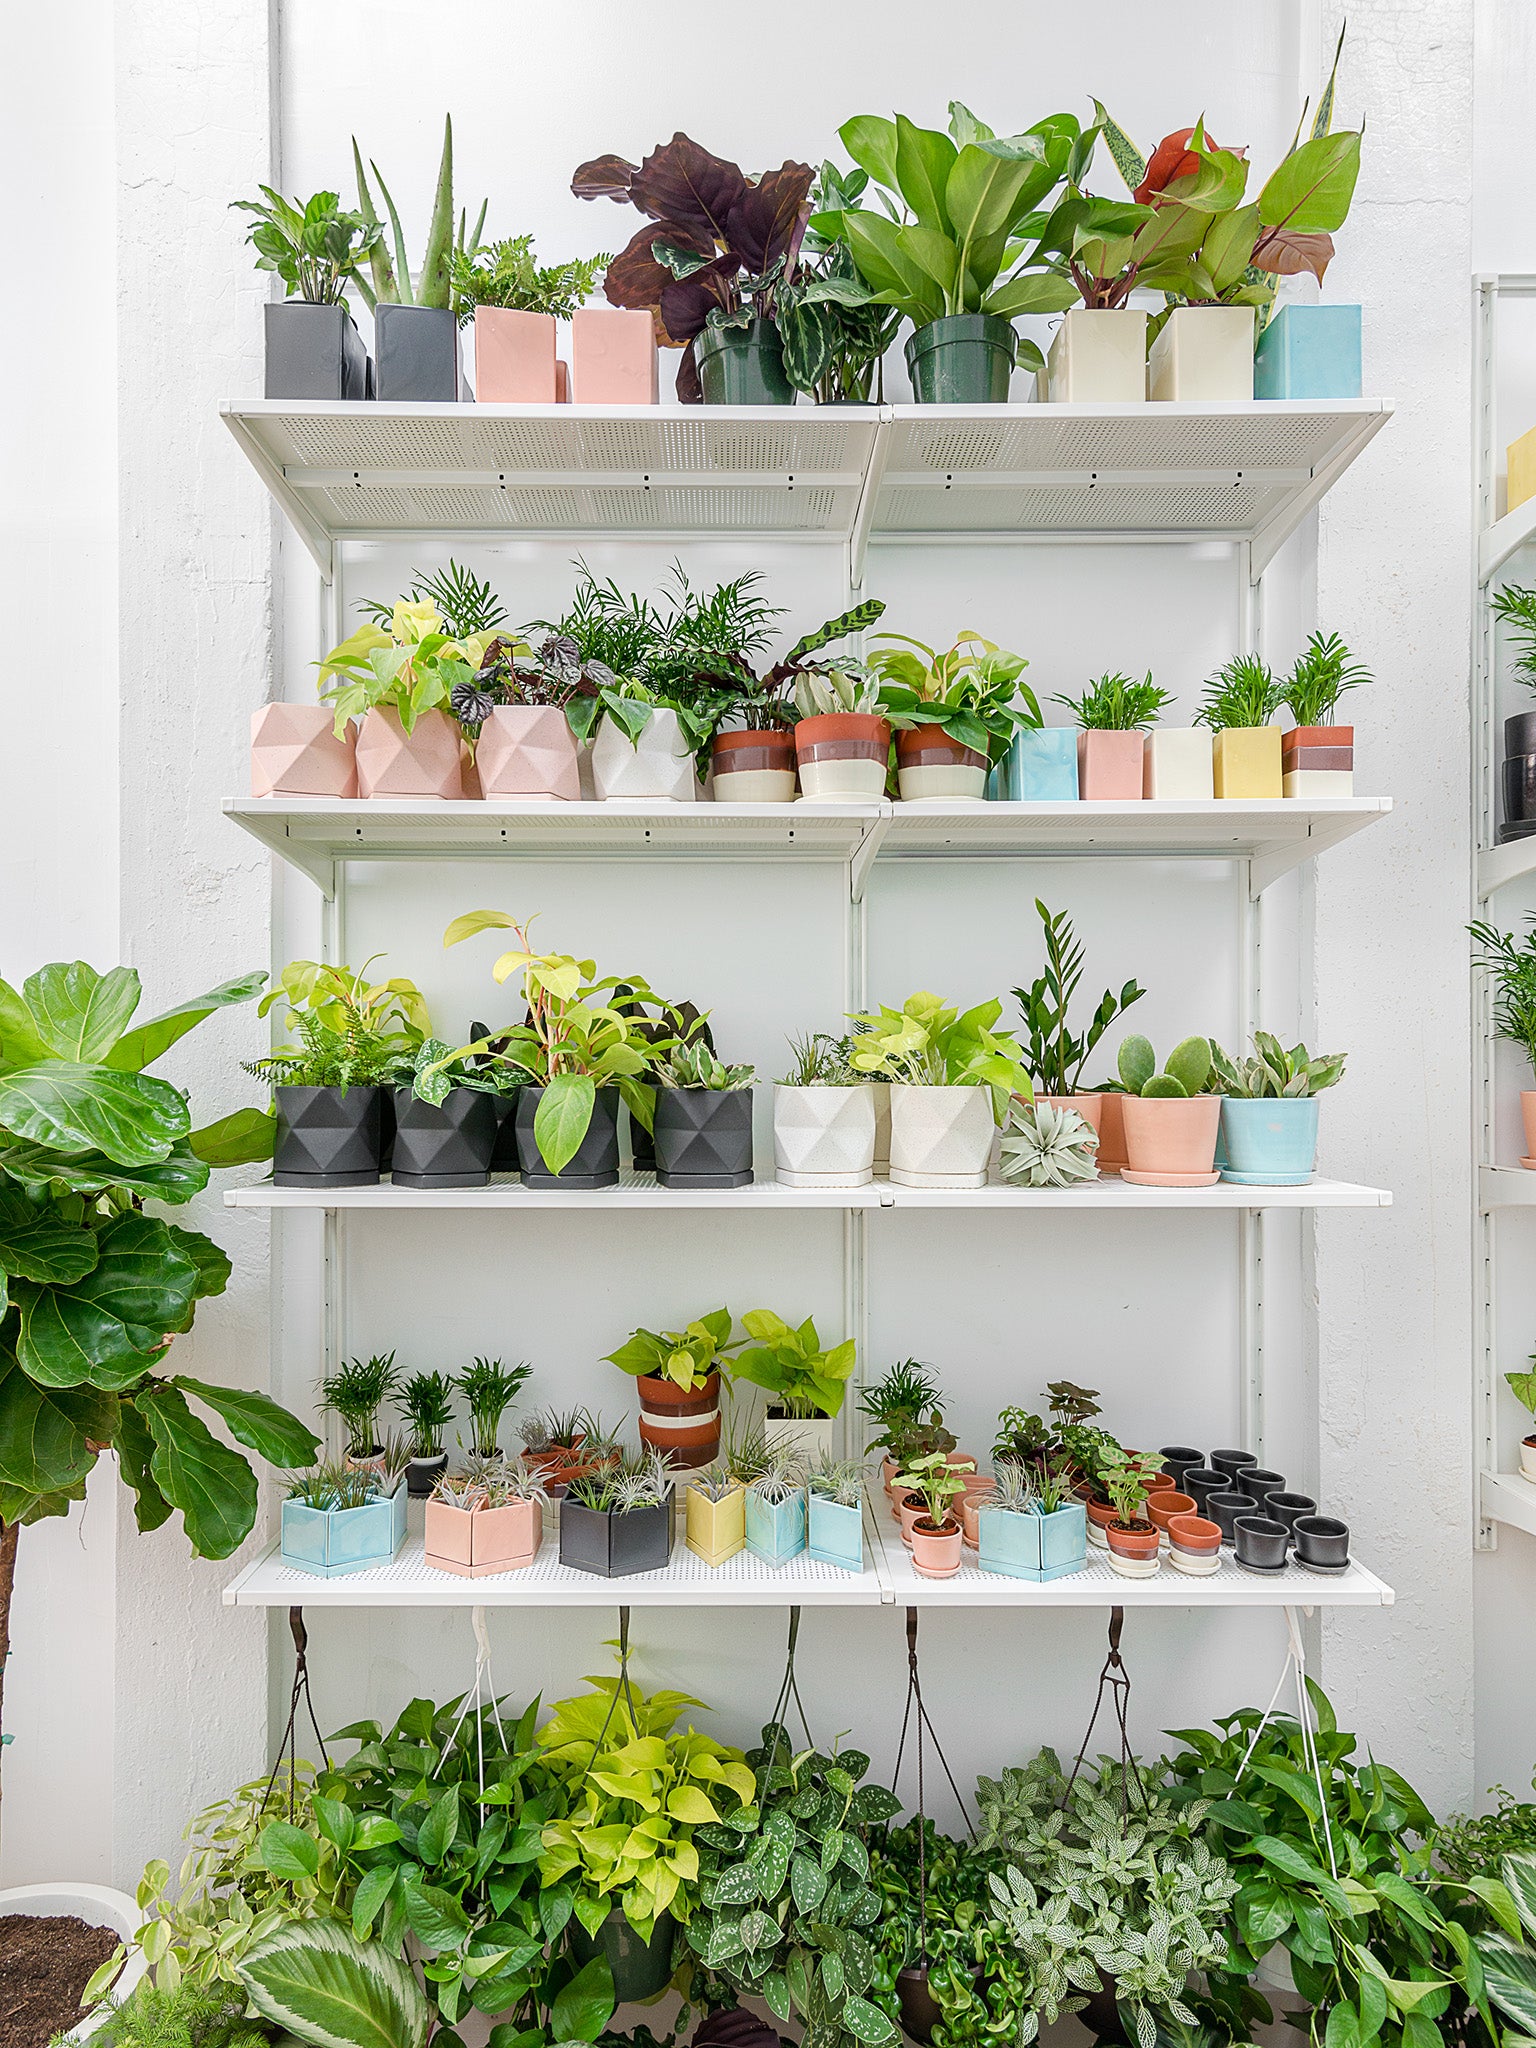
x=1519, y=776
x=447, y=1144
x=704, y=1137
x=640, y=1968
x=1262, y=1543
x=504, y=1156
x=315, y=352
x=416, y=354
x=596, y=1164
x=328, y=1137
x=614, y=1546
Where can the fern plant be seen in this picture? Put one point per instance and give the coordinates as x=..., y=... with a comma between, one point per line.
x=507, y=274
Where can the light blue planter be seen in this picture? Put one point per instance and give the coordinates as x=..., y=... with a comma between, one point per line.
x=1309, y=352
x=329, y=1542
x=1044, y=765
x=775, y=1534
x=1269, y=1144
x=836, y=1533
x=1033, y=1546
x=1000, y=780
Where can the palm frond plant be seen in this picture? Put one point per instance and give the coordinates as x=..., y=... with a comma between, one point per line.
x=1242, y=693
x=1514, y=606
x=1322, y=672
x=1512, y=963
x=489, y=1389
x=468, y=606
x=1116, y=703
x=425, y=1399
x=354, y=1393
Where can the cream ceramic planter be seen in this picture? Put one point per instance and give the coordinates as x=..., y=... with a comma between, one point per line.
x=823, y=1137
x=1099, y=358
x=1528, y=1457
x=809, y=1437
x=98, y=1905
x=528, y=751
x=295, y=752
x=882, y=1095
x=426, y=761
x=940, y=1137
x=658, y=766
x=1177, y=766
x=1204, y=354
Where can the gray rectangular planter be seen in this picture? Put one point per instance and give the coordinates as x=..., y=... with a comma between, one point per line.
x=447, y=1144
x=328, y=1137
x=315, y=352
x=416, y=354
x=615, y=1546
x=596, y=1164
x=704, y=1137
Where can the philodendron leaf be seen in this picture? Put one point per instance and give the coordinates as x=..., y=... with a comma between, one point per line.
x=563, y=1118
x=79, y=1014
x=47, y=1433
x=101, y=1330
x=257, y=1422
x=319, y=1981
x=132, y=1118
x=213, y=1486
x=144, y=1044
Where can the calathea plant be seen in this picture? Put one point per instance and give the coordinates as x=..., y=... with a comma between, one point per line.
x=314, y=247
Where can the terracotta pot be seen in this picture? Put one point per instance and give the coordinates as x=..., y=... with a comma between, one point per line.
x=424, y=762
x=1109, y=766
x=682, y=1423
x=1089, y=1106
x=933, y=768
x=1163, y=1506
x=1528, y=1118
x=1100, y=1514
x=843, y=757
x=295, y=752
x=1171, y=1141
x=910, y=1508
x=1160, y=1482
x=514, y=357
x=1133, y=1551
x=888, y=1470
x=528, y=750
x=1318, y=761
x=1112, y=1157
x=613, y=357
x=754, y=767
x=970, y=1509
x=1193, y=1533
x=935, y=1548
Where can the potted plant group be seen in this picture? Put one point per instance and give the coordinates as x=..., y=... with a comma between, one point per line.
x=563, y=1445
x=313, y=348
x=1171, y=1125
x=1523, y=1386
x=677, y=1375
x=952, y=1074
x=776, y=1508
x=338, y=1519
x=935, y=1535
x=823, y=1118
x=954, y=714
x=1031, y=1526
x=415, y=329
x=489, y=1518
x=1114, y=715
x=895, y=1402
x=805, y=1383
x=842, y=737
x=1055, y=1056
x=754, y=749
x=1317, y=757
x=1514, y=607
x=398, y=682
x=489, y=1389
x=1239, y=706
x=514, y=303
x=703, y=1120
x=426, y=1402
x=1269, y=1111
x=618, y=1521
x=1512, y=963
x=834, y=1507
x=525, y=712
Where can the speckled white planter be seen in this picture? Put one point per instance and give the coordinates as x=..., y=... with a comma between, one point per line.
x=659, y=766
x=882, y=1093
x=811, y=1439
x=940, y=1137
x=823, y=1137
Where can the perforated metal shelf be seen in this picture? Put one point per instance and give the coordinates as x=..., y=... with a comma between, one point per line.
x=1509, y=1497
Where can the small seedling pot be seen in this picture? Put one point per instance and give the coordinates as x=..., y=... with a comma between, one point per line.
x=910, y=1508
x=1225, y=1508
x=479, y=1542
x=1165, y=1505
x=327, y=1137
x=683, y=1423
x=754, y=767
x=615, y=1546
x=655, y=768
x=1262, y=1543
x=422, y=1474
x=1100, y=1514
x=823, y=1137
x=1179, y=1459
x=962, y=359
x=936, y=1548
x=1322, y=1544
x=596, y=1164
x=1194, y=1545
x=445, y=1144
x=843, y=757
x=1259, y=1482
x=1170, y=1141
x=295, y=751
x=715, y=1530
x=640, y=1969
x=1269, y=1143
x=835, y=1532
x=776, y=1530
x=1133, y=1553
x=1232, y=1462
x=528, y=753
x=704, y=1137
x=940, y=1137
x=932, y=768
x=1289, y=1507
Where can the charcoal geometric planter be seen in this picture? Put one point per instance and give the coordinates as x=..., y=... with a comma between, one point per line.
x=704, y=1137
x=416, y=354
x=315, y=352
x=596, y=1164
x=504, y=1153
x=614, y=1546
x=444, y=1145
x=328, y=1137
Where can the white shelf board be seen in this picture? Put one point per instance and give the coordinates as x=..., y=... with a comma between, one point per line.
x=640, y=1191
x=1506, y=1187
x=1275, y=835
x=1510, y=1497
x=1239, y=471
x=1499, y=865
x=1506, y=536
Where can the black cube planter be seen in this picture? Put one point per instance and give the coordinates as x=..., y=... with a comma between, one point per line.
x=416, y=354
x=422, y=1474
x=640, y=1968
x=328, y=1137
x=315, y=352
x=613, y=1546
x=704, y=1137
x=447, y=1144
x=1519, y=777
x=596, y=1164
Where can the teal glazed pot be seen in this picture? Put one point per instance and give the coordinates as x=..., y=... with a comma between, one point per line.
x=1269, y=1142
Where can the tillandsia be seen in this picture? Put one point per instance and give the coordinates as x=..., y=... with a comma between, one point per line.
x=354, y=1393
x=633, y=1483
x=715, y=1482
x=1045, y=1147
x=313, y=245
x=1322, y=672
x=391, y=1458
x=334, y=1486
x=839, y=1480
x=1116, y=703
x=781, y=1480
x=1187, y=1073
x=1013, y=1491
x=1270, y=1071
x=1512, y=963
x=1057, y=1056
x=818, y=1060
x=1243, y=693
x=694, y=1066
x=508, y=274
x=744, y=1450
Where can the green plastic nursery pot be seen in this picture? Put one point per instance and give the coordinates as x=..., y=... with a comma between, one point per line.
x=964, y=359
x=640, y=1968
x=742, y=366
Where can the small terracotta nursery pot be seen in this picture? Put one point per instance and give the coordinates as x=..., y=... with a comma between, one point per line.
x=1165, y=1506
x=1194, y=1536
x=754, y=767
x=970, y=1509
x=910, y=1508
x=935, y=1548
x=1135, y=1547
x=1527, y=1457
x=1100, y=1514
x=1111, y=1130
x=1170, y=1141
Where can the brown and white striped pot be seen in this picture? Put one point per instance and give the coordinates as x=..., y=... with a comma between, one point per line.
x=682, y=1423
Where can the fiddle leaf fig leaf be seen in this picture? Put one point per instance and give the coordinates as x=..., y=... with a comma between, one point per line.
x=144, y=1044
x=77, y=1107
x=79, y=1013
x=102, y=1329
x=257, y=1422
x=212, y=1486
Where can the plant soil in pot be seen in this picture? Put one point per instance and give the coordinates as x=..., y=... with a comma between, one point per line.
x=1318, y=761
x=1171, y=1142
x=657, y=767
x=936, y=1548
x=445, y=1144
x=704, y=1137
x=1270, y=1141
x=1133, y=1548
x=1194, y=1545
x=962, y=359
x=823, y=1137
x=596, y=1163
x=53, y=1939
x=742, y=365
x=527, y=752
x=933, y=768
x=427, y=761
x=940, y=1137
x=611, y=1545
x=327, y=1137
x=844, y=757
x=683, y=1423
x=416, y=354
x=754, y=767
x=295, y=751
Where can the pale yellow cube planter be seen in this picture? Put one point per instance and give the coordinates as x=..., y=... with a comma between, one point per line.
x=1520, y=467
x=1245, y=762
x=715, y=1530
x=1203, y=355
x=1099, y=358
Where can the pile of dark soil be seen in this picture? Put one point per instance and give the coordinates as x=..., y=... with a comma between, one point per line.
x=45, y=1964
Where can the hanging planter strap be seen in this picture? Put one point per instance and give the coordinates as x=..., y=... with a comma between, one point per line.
x=1118, y=1680
x=288, y=1745
x=621, y=1686
x=923, y=1727
x=1296, y=1660
x=481, y=1694
x=789, y=1689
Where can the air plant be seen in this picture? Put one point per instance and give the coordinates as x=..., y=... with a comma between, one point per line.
x=820, y=1061
x=840, y=1480
x=1046, y=1147
x=715, y=1482
x=333, y=1486
x=780, y=1480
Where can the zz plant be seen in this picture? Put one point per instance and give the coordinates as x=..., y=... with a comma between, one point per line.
x=1057, y=1056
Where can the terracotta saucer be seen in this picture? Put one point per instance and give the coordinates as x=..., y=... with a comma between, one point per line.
x=1529, y=1165
x=1169, y=1180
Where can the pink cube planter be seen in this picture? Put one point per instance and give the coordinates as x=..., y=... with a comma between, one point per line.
x=514, y=357
x=613, y=357
x=474, y=1543
x=562, y=381
x=528, y=750
x=295, y=752
x=1109, y=766
x=424, y=762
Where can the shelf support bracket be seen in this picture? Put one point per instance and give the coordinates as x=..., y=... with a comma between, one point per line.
x=865, y=852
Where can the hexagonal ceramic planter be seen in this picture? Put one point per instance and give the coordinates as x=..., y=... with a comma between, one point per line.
x=657, y=767
x=613, y=1546
x=775, y=1530
x=1033, y=1546
x=834, y=1532
x=295, y=752
x=476, y=1543
x=447, y=1144
x=596, y=1164
x=327, y=1137
x=715, y=1530
x=426, y=761
x=940, y=1137
x=823, y=1137
x=704, y=1137
x=330, y=1542
x=528, y=751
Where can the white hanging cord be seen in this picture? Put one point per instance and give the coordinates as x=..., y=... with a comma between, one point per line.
x=1296, y=1660
x=481, y=1694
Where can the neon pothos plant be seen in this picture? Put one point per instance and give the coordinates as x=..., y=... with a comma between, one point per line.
x=93, y=1288
x=972, y=691
x=927, y=1043
x=409, y=667
x=687, y=1357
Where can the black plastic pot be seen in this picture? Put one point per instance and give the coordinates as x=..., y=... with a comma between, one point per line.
x=1519, y=776
x=596, y=1164
x=1179, y=1459
x=1232, y=1462
x=1289, y=1507
x=1225, y=1508
x=742, y=366
x=1101, y=2015
x=416, y=354
x=504, y=1154
x=1262, y=1543
x=447, y=1144
x=704, y=1137
x=328, y=1137
x=614, y=1546
x=1321, y=1542
x=640, y=1968
x=1258, y=1481
x=315, y=352
x=422, y=1474
x=1201, y=1481
x=964, y=359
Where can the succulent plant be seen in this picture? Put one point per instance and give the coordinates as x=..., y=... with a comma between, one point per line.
x=1187, y=1072
x=694, y=1066
x=821, y=1061
x=1270, y=1071
x=1045, y=1147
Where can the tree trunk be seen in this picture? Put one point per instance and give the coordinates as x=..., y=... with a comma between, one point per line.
x=9, y=1532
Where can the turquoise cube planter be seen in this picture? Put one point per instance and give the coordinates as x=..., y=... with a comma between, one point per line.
x=1309, y=352
x=1044, y=765
x=1269, y=1143
x=775, y=1534
x=330, y=1542
x=835, y=1534
x=1000, y=788
x=1033, y=1546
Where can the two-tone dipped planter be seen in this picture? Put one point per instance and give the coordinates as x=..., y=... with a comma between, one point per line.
x=477, y=1542
x=843, y=757
x=754, y=767
x=683, y=1423
x=330, y=1542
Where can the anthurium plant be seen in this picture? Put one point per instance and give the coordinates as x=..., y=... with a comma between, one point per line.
x=971, y=691
x=412, y=667
x=792, y=1367
x=687, y=1357
x=928, y=1043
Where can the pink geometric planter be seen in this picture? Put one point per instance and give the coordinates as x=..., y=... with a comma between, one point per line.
x=613, y=357
x=528, y=750
x=295, y=752
x=424, y=762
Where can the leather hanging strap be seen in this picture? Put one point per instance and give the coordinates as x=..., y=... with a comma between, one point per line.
x=1115, y=1679
x=288, y=1744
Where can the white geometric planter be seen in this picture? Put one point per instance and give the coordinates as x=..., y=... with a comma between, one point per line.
x=1203, y=354
x=882, y=1095
x=657, y=768
x=1099, y=358
x=1177, y=764
x=811, y=1440
x=940, y=1137
x=823, y=1137
x=528, y=750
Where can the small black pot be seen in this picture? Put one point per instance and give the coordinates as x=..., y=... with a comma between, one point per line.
x=328, y=1137
x=704, y=1137
x=615, y=1546
x=1258, y=1481
x=640, y=1968
x=416, y=354
x=1232, y=1462
x=1179, y=1459
x=1288, y=1507
x=596, y=1164
x=447, y=1144
x=1262, y=1543
x=920, y=2010
x=1201, y=1481
x=1321, y=1542
x=1225, y=1508
x=422, y=1474
x=315, y=352
x=1519, y=776
x=642, y=1145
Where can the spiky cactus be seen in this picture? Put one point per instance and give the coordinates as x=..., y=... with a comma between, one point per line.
x=1046, y=1147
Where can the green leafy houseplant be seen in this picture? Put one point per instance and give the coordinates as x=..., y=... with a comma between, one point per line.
x=1512, y=963
x=800, y=1377
x=937, y=1481
x=928, y=1044
x=466, y=603
x=191, y=2016
x=1322, y=672
x=1508, y=1954
x=1187, y=1072
x=1469, y=1845
x=489, y=1388
x=1056, y=1056
x=687, y=1357
x=936, y=1908
x=425, y=1399
x=830, y=311
x=1523, y=1386
x=391, y=281
x=1116, y=703
x=552, y=672
x=507, y=274
x=1243, y=693
x=1126, y=1476
x=328, y=1989
x=1270, y=1072
x=355, y=1392
x=769, y=701
x=351, y=1032
x=411, y=666
x=313, y=246
x=972, y=691
x=694, y=1066
x=902, y=1394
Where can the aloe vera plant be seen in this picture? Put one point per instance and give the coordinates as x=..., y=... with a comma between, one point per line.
x=392, y=283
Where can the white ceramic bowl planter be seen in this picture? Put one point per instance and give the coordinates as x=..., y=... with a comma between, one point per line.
x=940, y=1137
x=657, y=766
x=98, y=1905
x=823, y=1137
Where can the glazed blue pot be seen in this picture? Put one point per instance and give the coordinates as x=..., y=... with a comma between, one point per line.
x=775, y=1533
x=1033, y=1546
x=835, y=1533
x=1270, y=1142
x=329, y=1542
x=1309, y=352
